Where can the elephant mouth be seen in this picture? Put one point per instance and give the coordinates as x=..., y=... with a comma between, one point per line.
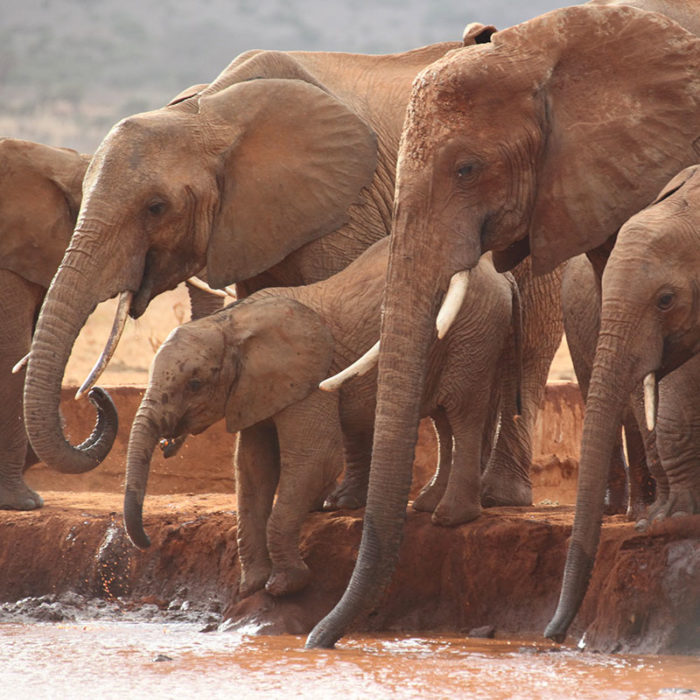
x=171, y=446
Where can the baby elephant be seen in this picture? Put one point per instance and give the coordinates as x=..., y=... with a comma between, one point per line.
x=258, y=363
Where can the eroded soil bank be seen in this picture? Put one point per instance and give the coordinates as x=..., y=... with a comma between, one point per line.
x=501, y=573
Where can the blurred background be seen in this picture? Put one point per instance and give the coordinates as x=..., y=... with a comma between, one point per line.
x=70, y=69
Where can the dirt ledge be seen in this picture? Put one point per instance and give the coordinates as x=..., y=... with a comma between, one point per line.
x=504, y=570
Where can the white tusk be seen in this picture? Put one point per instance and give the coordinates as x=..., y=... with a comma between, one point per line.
x=21, y=364
x=361, y=366
x=650, y=400
x=201, y=284
x=117, y=329
x=452, y=302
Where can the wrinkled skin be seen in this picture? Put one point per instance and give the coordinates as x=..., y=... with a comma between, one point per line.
x=630, y=488
x=520, y=147
x=40, y=194
x=280, y=172
x=650, y=323
x=40, y=190
x=240, y=365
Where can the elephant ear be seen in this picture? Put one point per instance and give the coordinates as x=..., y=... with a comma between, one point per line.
x=477, y=33
x=41, y=195
x=622, y=106
x=284, y=351
x=300, y=158
x=187, y=93
x=677, y=182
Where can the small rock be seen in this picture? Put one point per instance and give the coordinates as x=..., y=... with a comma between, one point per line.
x=49, y=612
x=162, y=657
x=484, y=632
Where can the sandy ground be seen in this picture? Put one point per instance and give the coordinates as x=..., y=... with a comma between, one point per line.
x=143, y=337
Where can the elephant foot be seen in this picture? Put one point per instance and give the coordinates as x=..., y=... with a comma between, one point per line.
x=510, y=490
x=448, y=514
x=19, y=497
x=252, y=579
x=346, y=495
x=288, y=581
x=677, y=505
x=428, y=499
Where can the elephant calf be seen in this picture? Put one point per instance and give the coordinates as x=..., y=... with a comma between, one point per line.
x=258, y=362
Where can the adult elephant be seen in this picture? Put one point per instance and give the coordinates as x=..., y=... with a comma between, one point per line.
x=279, y=172
x=40, y=194
x=542, y=142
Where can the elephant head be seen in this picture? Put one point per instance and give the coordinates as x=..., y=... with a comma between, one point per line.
x=543, y=141
x=230, y=179
x=246, y=363
x=650, y=325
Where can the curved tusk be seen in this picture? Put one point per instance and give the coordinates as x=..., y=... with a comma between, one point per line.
x=650, y=400
x=117, y=329
x=452, y=302
x=21, y=364
x=201, y=284
x=361, y=366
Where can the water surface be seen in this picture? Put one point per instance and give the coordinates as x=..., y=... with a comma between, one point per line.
x=112, y=659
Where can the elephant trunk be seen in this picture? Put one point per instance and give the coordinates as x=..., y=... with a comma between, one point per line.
x=611, y=383
x=145, y=433
x=408, y=329
x=65, y=310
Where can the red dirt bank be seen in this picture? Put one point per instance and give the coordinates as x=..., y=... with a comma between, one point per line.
x=503, y=570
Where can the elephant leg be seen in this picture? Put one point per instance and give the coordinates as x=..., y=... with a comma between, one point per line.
x=351, y=492
x=202, y=303
x=310, y=464
x=257, y=474
x=506, y=480
x=617, y=494
x=678, y=443
x=461, y=502
x=19, y=301
x=431, y=494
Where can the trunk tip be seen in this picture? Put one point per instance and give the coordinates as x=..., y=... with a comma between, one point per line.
x=320, y=638
x=133, y=520
x=556, y=631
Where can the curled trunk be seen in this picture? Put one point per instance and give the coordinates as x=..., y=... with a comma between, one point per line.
x=64, y=313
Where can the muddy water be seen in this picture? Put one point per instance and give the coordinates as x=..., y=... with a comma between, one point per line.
x=109, y=659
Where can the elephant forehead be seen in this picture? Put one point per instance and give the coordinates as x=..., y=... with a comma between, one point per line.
x=192, y=345
x=153, y=137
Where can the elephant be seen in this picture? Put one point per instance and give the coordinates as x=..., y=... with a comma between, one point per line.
x=279, y=172
x=630, y=486
x=261, y=360
x=236, y=177
x=40, y=194
x=649, y=330
x=541, y=142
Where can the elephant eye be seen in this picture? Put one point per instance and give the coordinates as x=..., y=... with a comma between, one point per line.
x=156, y=208
x=194, y=384
x=467, y=171
x=665, y=301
